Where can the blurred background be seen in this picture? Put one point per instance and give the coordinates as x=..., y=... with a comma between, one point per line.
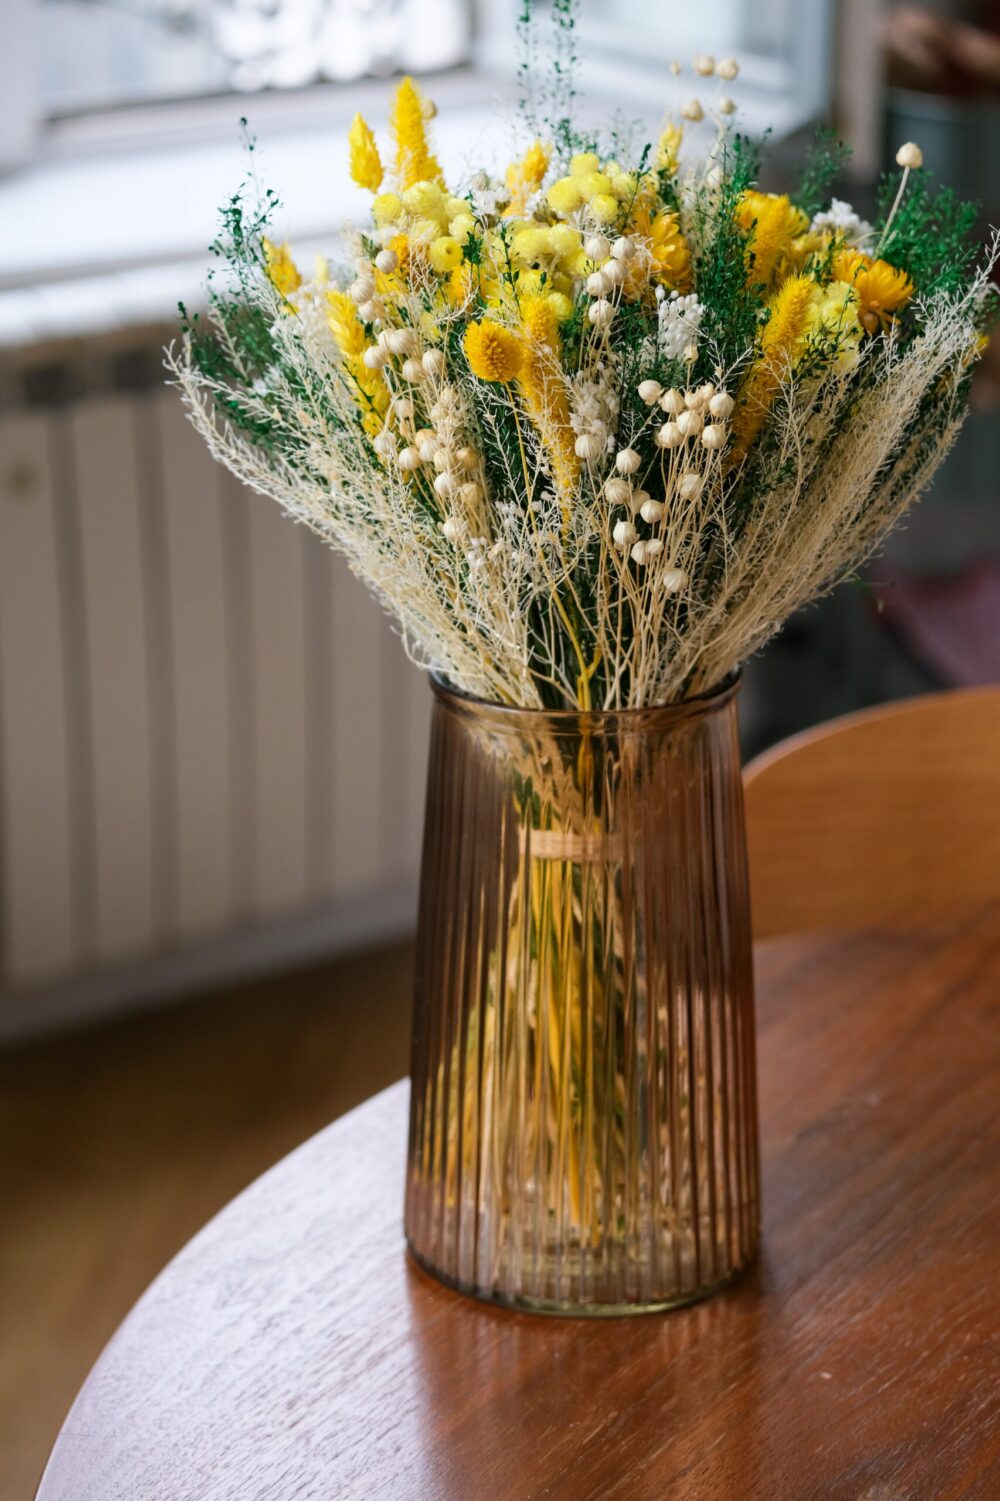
x=211, y=745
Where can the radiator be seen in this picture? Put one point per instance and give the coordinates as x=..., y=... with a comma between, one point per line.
x=212, y=745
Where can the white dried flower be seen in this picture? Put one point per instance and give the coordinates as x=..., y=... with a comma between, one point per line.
x=384, y=444
x=727, y=68
x=444, y=484
x=401, y=408
x=442, y=459
x=371, y=312
x=910, y=155
x=706, y=392
x=433, y=361
x=673, y=580
x=678, y=322
x=704, y=65
x=387, y=261
x=725, y=105
x=690, y=352
x=714, y=436
x=413, y=370
x=470, y=493
x=650, y=392
x=402, y=341
x=623, y=249
x=638, y=553
x=589, y=446
x=627, y=461
x=690, y=423
x=675, y=67
x=598, y=284
x=672, y=402
x=618, y=492
x=613, y=271
x=693, y=400
x=466, y=458
x=374, y=357
x=654, y=545
x=841, y=220
x=601, y=313
x=409, y=459
x=690, y=485
x=651, y=511
x=721, y=405
x=361, y=290
x=669, y=436
x=692, y=110
x=598, y=247
x=453, y=528
x=624, y=534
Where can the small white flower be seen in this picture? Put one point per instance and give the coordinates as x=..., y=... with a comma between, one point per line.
x=623, y=249
x=721, y=405
x=627, y=461
x=690, y=423
x=598, y=247
x=714, y=436
x=598, y=284
x=361, y=290
x=413, y=370
x=444, y=484
x=678, y=322
x=409, y=459
x=387, y=261
x=673, y=580
x=613, y=271
x=374, y=357
x=651, y=511
x=727, y=68
x=624, y=534
x=589, y=446
x=725, y=105
x=650, y=392
x=704, y=65
x=433, y=361
x=618, y=492
x=669, y=436
x=841, y=220
x=690, y=486
x=910, y=155
x=452, y=528
x=672, y=402
x=601, y=313
x=692, y=110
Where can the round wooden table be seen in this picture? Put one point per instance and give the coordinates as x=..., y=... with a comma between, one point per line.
x=291, y=1351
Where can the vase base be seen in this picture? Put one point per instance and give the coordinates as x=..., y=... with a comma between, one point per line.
x=568, y=1308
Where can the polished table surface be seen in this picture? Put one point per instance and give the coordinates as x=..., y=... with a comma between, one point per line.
x=292, y=1351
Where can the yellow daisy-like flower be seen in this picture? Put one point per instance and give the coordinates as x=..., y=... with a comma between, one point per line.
x=366, y=164
x=414, y=159
x=882, y=290
x=772, y=222
x=670, y=262
x=282, y=272
x=494, y=353
x=525, y=177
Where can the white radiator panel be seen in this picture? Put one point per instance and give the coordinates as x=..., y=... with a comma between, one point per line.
x=212, y=745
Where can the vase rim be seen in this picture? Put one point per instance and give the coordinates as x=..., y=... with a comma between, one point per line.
x=698, y=705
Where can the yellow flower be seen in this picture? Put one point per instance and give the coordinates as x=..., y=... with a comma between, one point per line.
x=461, y=227
x=414, y=160
x=834, y=315
x=781, y=343
x=772, y=222
x=668, y=149
x=342, y=318
x=370, y=390
x=584, y=162
x=882, y=290
x=564, y=196
x=604, y=207
x=427, y=200
x=387, y=209
x=366, y=164
x=282, y=272
x=493, y=352
x=544, y=393
x=525, y=177
x=670, y=258
x=444, y=254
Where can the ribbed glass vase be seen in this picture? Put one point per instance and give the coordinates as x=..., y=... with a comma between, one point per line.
x=583, y=1122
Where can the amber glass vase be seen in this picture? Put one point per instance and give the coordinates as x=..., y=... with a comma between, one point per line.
x=583, y=1123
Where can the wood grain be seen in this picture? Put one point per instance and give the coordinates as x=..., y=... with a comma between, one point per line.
x=291, y=1351
x=888, y=815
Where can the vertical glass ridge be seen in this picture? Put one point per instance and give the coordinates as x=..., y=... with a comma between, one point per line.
x=583, y=1131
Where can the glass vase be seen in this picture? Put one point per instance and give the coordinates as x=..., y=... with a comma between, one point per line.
x=583, y=1121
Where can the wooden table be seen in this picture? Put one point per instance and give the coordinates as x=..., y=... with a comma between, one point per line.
x=291, y=1351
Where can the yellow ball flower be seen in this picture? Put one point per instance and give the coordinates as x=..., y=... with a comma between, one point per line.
x=564, y=196
x=387, y=209
x=445, y=254
x=561, y=306
x=461, y=227
x=493, y=352
x=425, y=200
x=584, y=162
x=594, y=182
x=604, y=207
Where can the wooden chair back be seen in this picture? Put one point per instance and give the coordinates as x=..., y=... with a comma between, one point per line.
x=888, y=816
